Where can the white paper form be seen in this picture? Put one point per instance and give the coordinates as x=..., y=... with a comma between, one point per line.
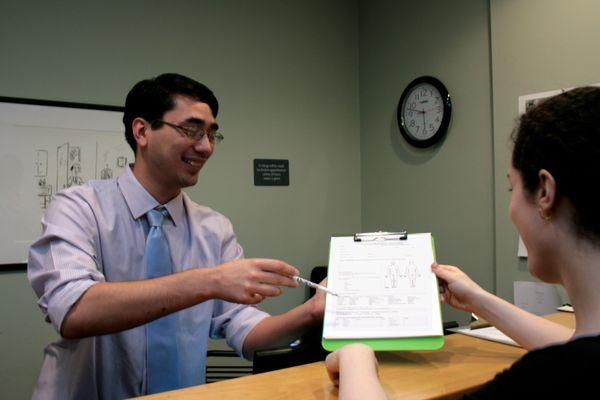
x=489, y=333
x=385, y=289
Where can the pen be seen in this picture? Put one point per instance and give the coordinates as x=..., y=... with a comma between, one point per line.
x=313, y=285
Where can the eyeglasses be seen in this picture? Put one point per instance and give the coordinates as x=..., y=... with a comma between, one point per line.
x=194, y=133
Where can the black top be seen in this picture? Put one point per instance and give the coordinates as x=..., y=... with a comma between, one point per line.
x=570, y=370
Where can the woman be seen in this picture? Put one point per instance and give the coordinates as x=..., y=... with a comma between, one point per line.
x=554, y=206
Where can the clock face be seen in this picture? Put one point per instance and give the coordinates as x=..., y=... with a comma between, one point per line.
x=424, y=111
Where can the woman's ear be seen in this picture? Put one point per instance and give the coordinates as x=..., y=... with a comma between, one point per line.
x=546, y=193
x=140, y=128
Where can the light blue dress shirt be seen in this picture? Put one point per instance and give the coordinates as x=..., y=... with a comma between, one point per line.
x=96, y=233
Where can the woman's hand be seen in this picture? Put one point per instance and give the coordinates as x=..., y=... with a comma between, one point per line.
x=353, y=368
x=457, y=289
x=355, y=355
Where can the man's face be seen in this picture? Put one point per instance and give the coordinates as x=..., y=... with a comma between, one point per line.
x=173, y=159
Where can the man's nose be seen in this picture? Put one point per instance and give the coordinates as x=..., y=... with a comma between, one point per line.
x=203, y=145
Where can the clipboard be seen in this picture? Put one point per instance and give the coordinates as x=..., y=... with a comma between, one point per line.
x=428, y=342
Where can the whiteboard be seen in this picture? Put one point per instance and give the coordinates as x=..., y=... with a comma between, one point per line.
x=46, y=147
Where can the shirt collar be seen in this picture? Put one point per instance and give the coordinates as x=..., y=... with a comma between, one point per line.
x=140, y=201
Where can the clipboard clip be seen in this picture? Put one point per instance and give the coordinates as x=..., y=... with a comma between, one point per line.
x=371, y=236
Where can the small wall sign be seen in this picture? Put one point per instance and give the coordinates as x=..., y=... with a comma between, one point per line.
x=271, y=172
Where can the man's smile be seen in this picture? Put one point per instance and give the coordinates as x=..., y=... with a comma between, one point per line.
x=194, y=162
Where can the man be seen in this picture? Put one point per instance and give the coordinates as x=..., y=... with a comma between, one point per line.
x=136, y=276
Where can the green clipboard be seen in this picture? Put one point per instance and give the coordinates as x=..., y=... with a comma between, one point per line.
x=389, y=344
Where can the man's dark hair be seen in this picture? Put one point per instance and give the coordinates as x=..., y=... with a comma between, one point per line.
x=562, y=135
x=150, y=99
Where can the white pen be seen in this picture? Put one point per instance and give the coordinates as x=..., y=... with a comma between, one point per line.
x=313, y=285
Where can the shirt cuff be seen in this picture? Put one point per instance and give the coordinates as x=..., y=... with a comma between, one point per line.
x=250, y=316
x=65, y=298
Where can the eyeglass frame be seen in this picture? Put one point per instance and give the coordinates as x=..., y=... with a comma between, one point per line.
x=190, y=133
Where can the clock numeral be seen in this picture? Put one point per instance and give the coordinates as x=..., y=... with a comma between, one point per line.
x=412, y=122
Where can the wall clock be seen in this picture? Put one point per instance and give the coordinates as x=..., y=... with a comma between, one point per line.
x=424, y=111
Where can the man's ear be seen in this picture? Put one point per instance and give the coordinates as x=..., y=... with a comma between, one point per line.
x=546, y=192
x=140, y=128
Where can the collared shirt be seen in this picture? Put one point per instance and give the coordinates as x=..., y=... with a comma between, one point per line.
x=97, y=233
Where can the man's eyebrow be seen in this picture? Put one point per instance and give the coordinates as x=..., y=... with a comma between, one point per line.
x=214, y=126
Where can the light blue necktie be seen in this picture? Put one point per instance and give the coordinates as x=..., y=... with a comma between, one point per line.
x=162, y=356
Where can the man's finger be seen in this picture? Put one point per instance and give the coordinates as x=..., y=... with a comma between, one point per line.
x=267, y=290
x=277, y=266
x=257, y=298
x=276, y=279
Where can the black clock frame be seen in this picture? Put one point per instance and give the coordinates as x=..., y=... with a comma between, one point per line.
x=447, y=103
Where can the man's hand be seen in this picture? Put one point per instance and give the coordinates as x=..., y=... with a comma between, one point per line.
x=249, y=281
x=317, y=303
x=282, y=329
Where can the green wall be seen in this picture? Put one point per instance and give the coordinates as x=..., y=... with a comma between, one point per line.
x=315, y=82
x=446, y=190
x=537, y=46
x=286, y=75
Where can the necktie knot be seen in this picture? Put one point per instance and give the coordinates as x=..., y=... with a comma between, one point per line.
x=157, y=216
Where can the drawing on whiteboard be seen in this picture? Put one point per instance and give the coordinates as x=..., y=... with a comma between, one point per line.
x=41, y=163
x=75, y=164
x=112, y=160
x=44, y=193
x=106, y=173
x=68, y=172
x=41, y=172
x=74, y=176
